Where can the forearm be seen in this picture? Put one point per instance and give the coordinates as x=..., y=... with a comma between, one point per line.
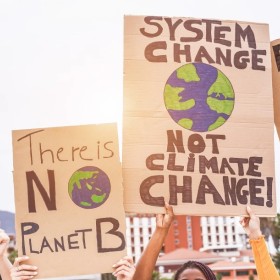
x=264, y=264
x=146, y=264
x=5, y=266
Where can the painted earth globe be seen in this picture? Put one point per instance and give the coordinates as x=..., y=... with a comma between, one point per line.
x=89, y=187
x=199, y=97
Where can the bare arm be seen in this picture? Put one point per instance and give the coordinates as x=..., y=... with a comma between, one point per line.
x=146, y=264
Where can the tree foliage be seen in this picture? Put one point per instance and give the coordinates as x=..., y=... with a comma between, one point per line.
x=276, y=225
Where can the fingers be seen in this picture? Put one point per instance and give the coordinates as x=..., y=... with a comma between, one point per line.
x=165, y=220
x=124, y=267
x=250, y=211
x=244, y=221
x=129, y=259
x=251, y=214
x=18, y=260
x=20, y=271
x=169, y=210
x=23, y=274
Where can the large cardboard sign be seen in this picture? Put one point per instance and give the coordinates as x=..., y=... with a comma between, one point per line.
x=198, y=116
x=275, y=55
x=70, y=217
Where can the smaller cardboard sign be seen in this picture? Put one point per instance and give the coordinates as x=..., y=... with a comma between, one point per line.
x=275, y=57
x=70, y=218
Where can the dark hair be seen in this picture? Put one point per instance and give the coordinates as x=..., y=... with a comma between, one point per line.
x=207, y=272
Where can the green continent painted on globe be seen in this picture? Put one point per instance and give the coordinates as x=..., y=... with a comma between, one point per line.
x=199, y=97
x=89, y=187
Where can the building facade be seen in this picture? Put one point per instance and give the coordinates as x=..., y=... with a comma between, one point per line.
x=222, y=235
x=184, y=233
x=139, y=229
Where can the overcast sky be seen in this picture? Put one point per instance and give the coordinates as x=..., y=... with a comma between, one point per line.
x=61, y=61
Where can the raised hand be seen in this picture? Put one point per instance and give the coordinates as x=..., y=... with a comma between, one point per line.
x=251, y=224
x=20, y=271
x=164, y=221
x=124, y=269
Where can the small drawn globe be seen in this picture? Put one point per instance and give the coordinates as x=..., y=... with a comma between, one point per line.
x=199, y=97
x=89, y=187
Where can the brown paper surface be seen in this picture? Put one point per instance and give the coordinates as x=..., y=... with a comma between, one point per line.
x=198, y=116
x=69, y=199
x=275, y=56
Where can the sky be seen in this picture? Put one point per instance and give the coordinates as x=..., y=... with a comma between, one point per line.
x=61, y=62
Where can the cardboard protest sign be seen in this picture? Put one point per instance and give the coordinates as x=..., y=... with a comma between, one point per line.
x=198, y=116
x=70, y=218
x=275, y=56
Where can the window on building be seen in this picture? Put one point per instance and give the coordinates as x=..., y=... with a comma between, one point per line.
x=242, y=272
x=225, y=273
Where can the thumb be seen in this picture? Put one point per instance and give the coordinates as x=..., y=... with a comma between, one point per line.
x=250, y=211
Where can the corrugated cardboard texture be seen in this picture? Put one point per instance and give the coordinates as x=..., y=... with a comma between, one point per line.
x=181, y=77
x=69, y=199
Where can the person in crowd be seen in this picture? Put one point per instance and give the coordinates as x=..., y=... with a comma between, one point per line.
x=17, y=271
x=266, y=269
x=5, y=264
x=191, y=270
x=123, y=270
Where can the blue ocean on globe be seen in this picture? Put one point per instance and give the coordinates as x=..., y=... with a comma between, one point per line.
x=199, y=97
x=89, y=187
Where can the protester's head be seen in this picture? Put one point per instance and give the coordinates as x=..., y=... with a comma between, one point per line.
x=193, y=270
